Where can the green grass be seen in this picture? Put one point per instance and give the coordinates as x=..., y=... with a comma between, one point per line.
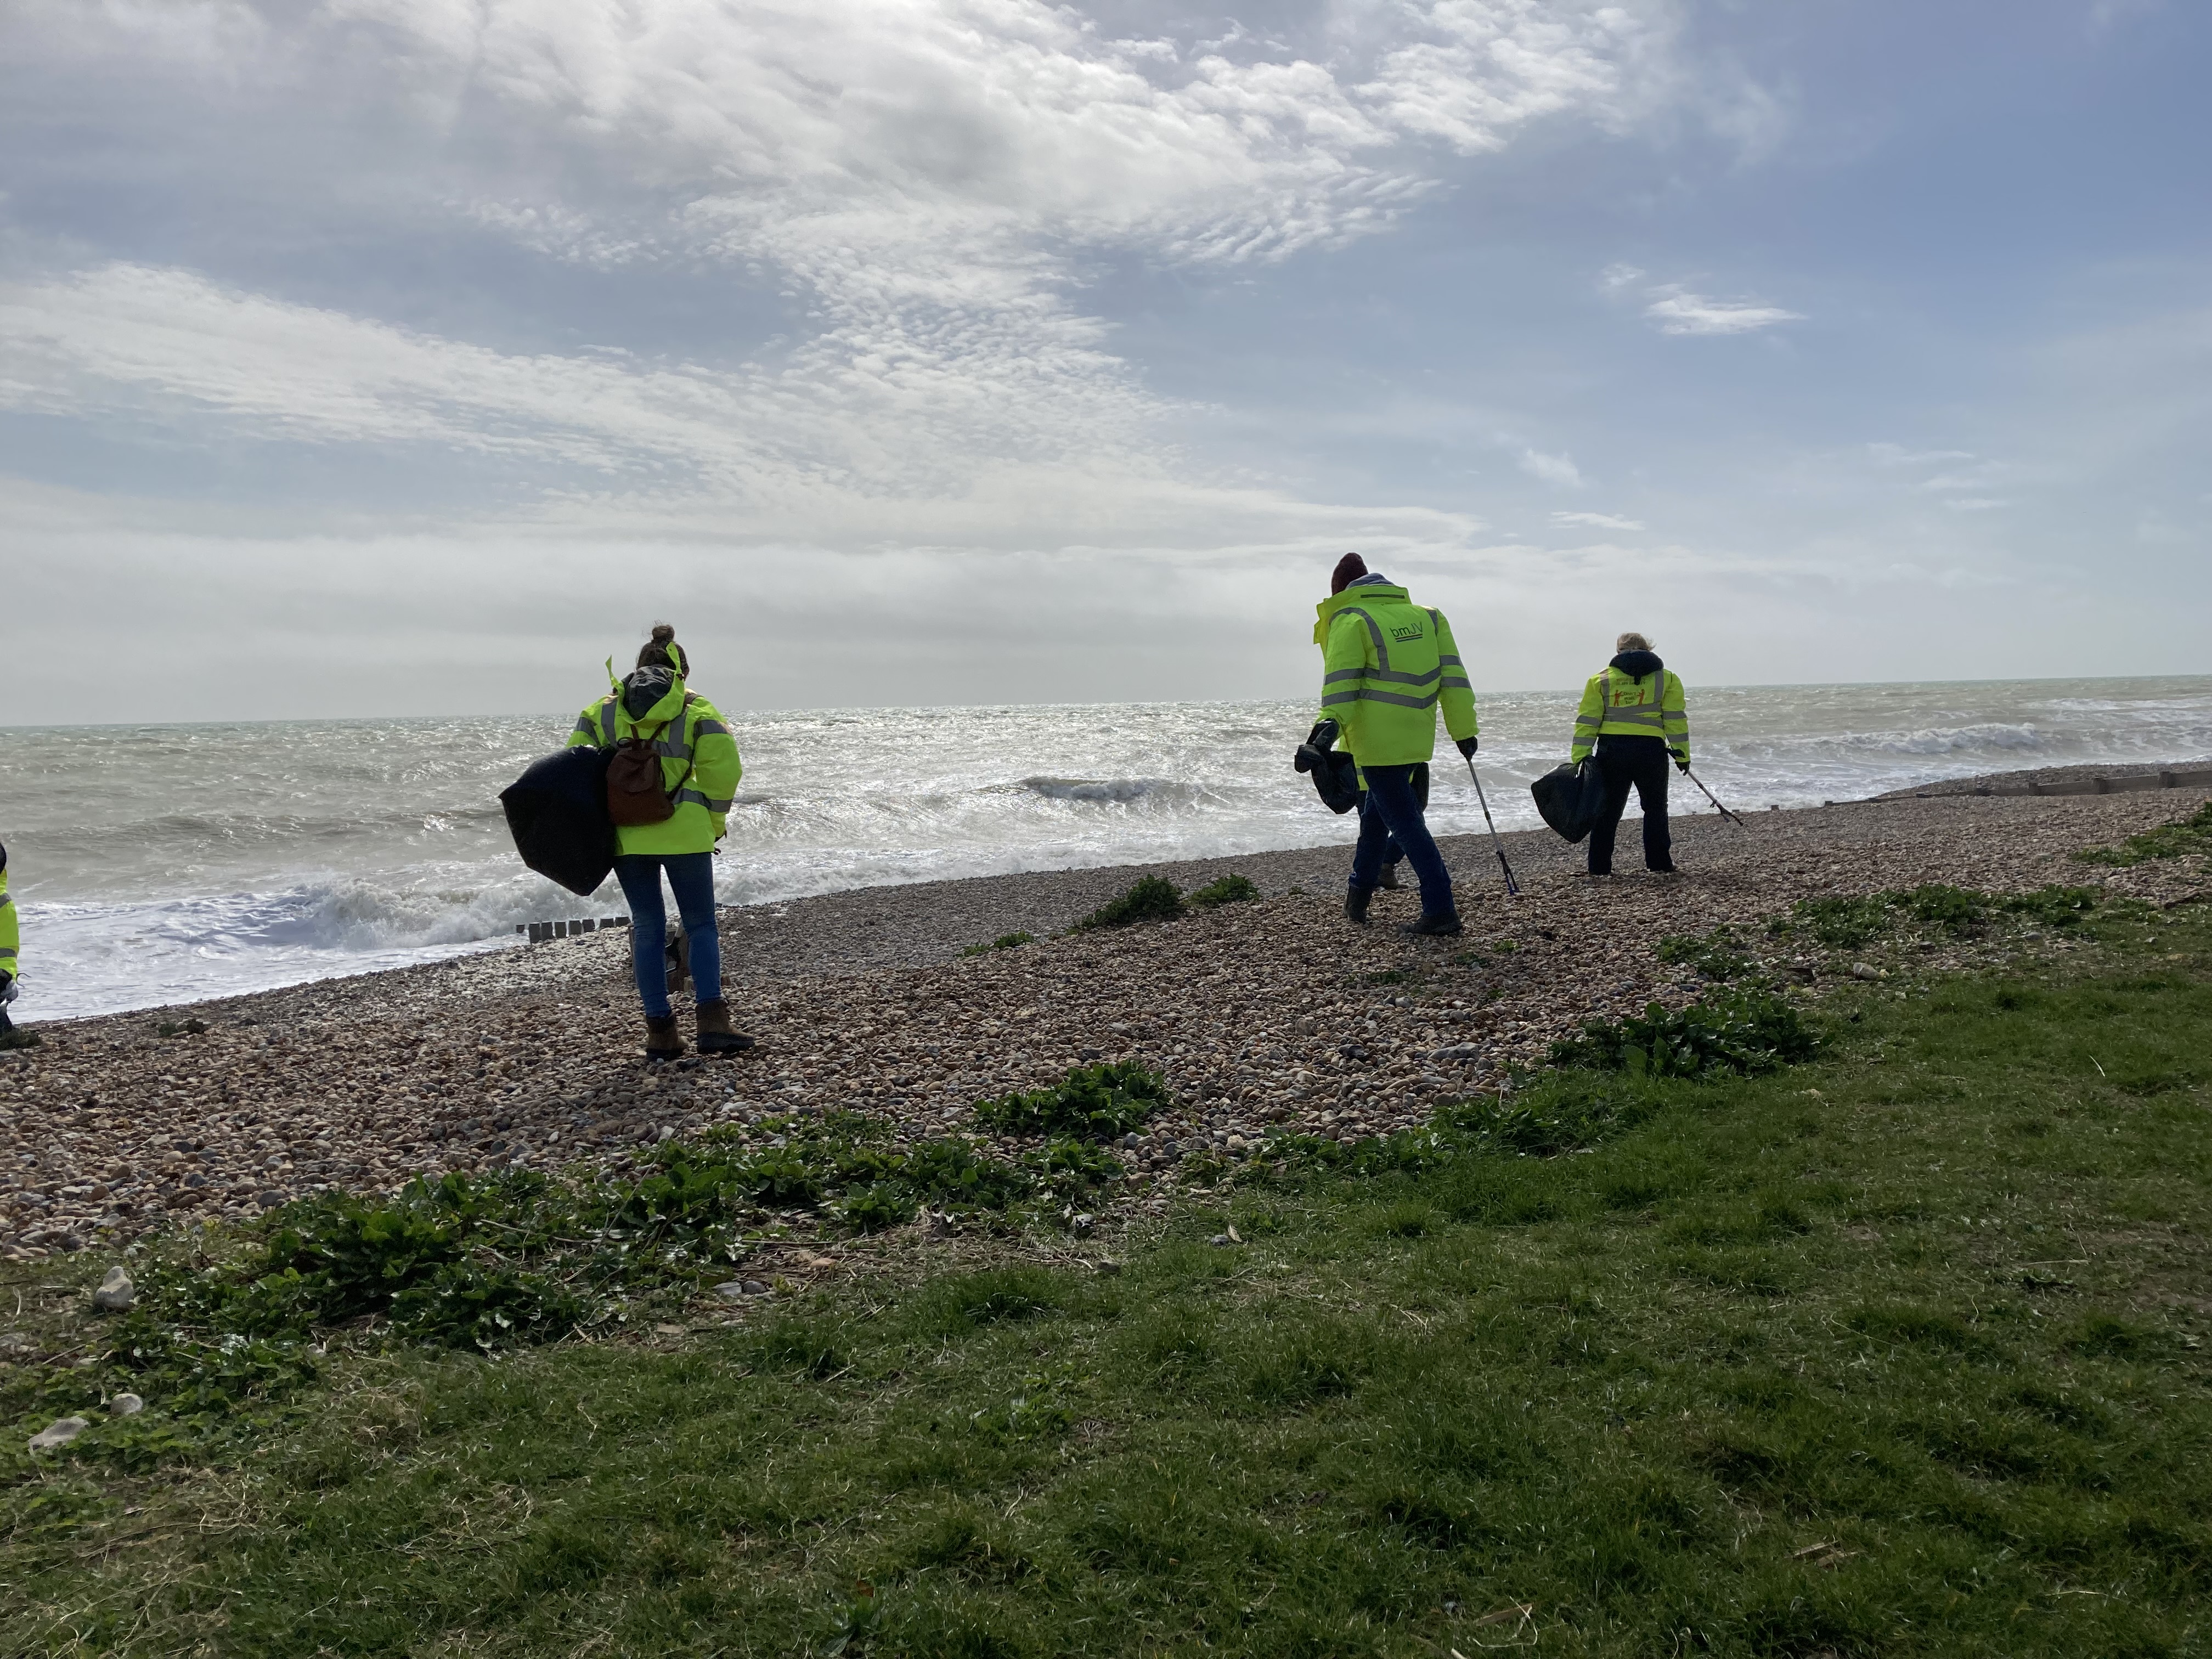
x=2179, y=839
x=1897, y=1352
x=1852, y=922
x=1003, y=942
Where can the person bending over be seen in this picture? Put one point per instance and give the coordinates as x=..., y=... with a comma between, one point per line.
x=1633, y=718
x=1387, y=665
x=699, y=769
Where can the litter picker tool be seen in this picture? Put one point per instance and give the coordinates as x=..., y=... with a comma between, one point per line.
x=1512, y=887
x=1708, y=795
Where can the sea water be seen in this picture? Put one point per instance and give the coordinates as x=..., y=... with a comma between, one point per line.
x=161, y=864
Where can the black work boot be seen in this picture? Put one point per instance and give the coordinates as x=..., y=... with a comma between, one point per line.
x=662, y=1040
x=1390, y=881
x=716, y=1035
x=1443, y=926
x=1355, y=903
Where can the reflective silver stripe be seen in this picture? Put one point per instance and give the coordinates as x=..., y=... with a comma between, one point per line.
x=1388, y=677
x=707, y=801
x=1457, y=683
x=673, y=751
x=1451, y=660
x=6, y=899
x=710, y=729
x=1367, y=695
x=607, y=723
x=585, y=729
x=6, y=953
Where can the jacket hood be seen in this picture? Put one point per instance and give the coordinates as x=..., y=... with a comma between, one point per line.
x=1636, y=664
x=650, y=695
x=1367, y=591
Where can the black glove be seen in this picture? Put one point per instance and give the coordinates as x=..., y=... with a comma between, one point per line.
x=1467, y=746
x=1682, y=766
x=7, y=989
x=1313, y=753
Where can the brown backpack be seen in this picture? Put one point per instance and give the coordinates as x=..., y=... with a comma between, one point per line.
x=636, y=790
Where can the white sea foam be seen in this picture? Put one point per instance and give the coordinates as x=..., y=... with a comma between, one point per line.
x=163, y=863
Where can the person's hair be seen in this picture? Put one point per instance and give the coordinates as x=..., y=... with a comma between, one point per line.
x=661, y=651
x=1632, y=642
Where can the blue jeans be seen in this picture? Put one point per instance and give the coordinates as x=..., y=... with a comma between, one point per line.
x=1391, y=811
x=691, y=875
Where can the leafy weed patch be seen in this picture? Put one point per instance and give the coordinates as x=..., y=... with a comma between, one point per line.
x=1150, y=898
x=1226, y=890
x=2179, y=839
x=1094, y=1103
x=1744, y=1031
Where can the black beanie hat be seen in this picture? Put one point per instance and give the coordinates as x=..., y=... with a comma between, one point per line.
x=1349, y=569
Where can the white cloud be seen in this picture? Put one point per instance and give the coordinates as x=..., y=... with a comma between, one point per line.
x=1596, y=521
x=1678, y=311
x=1616, y=277
x=1049, y=446
x=1487, y=67
x=1559, y=469
x=1974, y=503
x=928, y=178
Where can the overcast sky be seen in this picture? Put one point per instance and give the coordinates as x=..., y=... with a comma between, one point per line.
x=384, y=356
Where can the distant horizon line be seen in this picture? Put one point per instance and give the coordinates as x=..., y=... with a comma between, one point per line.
x=1126, y=702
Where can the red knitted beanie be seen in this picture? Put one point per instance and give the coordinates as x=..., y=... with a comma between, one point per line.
x=1349, y=569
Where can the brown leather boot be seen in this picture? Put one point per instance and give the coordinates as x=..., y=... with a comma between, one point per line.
x=716, y=1035
x=662, y=1040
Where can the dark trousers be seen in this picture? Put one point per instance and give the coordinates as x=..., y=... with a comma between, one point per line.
x=1393, y=855
x=1391, y=812
x=1641, y=763
x=691, y=875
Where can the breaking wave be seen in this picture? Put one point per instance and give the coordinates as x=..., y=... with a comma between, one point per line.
x=165, y=864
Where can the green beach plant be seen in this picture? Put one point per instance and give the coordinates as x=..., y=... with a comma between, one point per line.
x=1225, y=889
x=2178, y=839
x=1743, y=1032
x=1717, y=955
x=1149, y=898
x=1091, y=1103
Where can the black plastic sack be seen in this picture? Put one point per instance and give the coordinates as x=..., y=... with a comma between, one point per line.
x=557, y=812
x=1571, y=797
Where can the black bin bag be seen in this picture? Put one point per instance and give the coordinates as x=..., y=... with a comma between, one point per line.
x=557, y=810
x=1571, y=797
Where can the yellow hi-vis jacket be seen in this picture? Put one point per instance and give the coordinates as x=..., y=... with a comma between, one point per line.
x=1615, y=704
x=1387, y=665
x=11, y=937
x=690, y=735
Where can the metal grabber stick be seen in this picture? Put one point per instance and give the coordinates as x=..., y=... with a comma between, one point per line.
x=1708, y=795
x=1512, y=887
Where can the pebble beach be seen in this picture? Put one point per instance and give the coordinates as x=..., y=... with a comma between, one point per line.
x=1265, y=1015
